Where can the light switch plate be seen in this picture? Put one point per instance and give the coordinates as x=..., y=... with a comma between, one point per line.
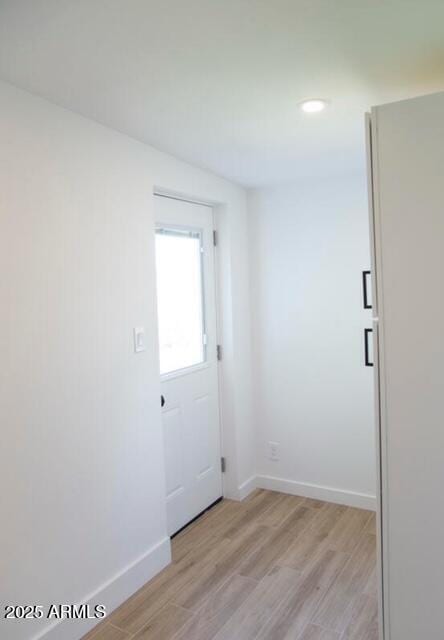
x=273, y=450
x=139, y=339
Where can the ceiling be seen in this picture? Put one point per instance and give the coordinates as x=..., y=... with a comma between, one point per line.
x=217, y=82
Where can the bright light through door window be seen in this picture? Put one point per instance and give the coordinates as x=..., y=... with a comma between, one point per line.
x=180, y=299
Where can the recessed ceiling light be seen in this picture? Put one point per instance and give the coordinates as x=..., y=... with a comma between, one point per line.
x=314, y=105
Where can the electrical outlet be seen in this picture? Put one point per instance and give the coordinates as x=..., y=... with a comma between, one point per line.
x=273, y=450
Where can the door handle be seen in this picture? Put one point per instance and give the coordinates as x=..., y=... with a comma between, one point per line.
x=365, y=275
x=162, y=401
x=368, y=363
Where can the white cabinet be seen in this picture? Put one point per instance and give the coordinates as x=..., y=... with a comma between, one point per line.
x=406, y=177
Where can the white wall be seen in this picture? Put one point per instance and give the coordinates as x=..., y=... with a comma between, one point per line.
x=81, y=461
x=313, y=395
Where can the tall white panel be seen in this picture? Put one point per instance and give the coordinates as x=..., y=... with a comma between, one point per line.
x=408, y=189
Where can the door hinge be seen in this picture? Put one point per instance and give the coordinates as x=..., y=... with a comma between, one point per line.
x=215, y=238
x=223, y=464
x=219, y=351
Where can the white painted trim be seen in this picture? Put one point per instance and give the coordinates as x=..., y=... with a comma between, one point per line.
x=175, y=195
x=113, y=592
x=377, y=303
x=247, y=487
x=329, y=494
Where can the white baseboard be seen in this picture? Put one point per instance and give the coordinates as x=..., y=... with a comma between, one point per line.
x=328, y=494
x=242, y=491
x=113, y=592
x=247, y=487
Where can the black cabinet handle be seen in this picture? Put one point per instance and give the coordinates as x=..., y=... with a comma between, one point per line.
x=366, y=348
x=365, y=275
x=162, y=401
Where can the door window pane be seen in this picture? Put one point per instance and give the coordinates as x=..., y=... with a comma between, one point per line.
x=180, y=299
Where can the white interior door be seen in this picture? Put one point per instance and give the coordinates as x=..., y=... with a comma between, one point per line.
x=188, y=357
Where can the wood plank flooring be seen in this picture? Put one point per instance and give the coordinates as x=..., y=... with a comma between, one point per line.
x=274, y=567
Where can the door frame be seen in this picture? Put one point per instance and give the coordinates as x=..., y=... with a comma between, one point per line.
x=378, y=378
x=174, y=195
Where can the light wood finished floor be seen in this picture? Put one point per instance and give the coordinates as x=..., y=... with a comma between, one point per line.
x=274, y=567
